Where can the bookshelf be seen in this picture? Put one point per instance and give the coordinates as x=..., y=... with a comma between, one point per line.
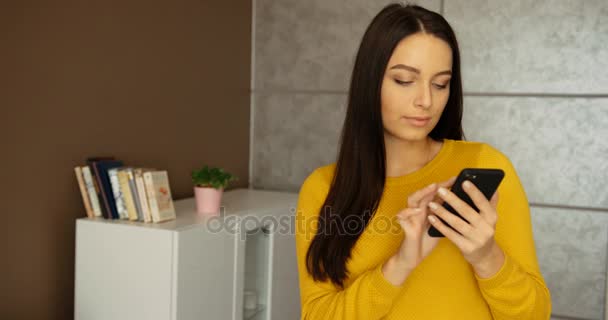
x=191, y=267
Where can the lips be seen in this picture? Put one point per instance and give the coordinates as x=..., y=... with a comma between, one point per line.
x=419, y=118
x=418, y=121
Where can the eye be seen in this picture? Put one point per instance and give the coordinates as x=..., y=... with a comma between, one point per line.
x=403, y=83
x=440, y=87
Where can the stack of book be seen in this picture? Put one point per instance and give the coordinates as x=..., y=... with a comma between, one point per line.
x=114, y=191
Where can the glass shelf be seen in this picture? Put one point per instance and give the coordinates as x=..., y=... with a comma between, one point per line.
x=257, y=254
x=250, y=314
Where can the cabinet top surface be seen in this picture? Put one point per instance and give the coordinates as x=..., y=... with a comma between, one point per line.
x=237, y=203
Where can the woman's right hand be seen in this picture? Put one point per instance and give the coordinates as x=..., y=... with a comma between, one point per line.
x=417, y=244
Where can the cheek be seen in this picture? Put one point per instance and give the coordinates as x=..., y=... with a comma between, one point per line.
x=388, y=111
x=392, y=100
x=442, y=101
x=439, y=105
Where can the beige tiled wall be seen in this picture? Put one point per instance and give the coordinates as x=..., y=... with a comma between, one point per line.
x=536, y=87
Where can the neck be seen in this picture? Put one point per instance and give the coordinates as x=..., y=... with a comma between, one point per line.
x=407, y=156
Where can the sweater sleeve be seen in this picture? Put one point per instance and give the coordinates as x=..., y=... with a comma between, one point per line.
x=369, y=296
x=517, y=290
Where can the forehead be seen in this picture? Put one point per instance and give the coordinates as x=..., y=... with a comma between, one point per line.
x=424, y=52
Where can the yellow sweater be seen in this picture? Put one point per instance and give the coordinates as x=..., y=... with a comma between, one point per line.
x=443, y=286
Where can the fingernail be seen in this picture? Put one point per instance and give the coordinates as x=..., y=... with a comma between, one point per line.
x=443, y=191
x=432, y=219
x=466, y=184
x=433, y=205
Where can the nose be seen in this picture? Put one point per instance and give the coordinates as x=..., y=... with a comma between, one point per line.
x=423, y=97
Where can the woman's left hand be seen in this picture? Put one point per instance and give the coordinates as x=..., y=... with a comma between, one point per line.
x=476, y=238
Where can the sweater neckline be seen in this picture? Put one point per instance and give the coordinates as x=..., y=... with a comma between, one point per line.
x=427, y=169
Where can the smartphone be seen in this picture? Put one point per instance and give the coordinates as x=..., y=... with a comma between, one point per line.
x=486, y=180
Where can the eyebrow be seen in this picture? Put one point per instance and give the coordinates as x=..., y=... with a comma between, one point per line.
x=402, y=66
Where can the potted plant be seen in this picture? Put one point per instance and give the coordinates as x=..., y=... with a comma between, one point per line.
x=209, y=184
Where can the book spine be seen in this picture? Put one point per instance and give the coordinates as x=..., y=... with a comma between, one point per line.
x=106, y=211
x=123, y=181
x=104, y=167
x=143, y=198
x=164, y=200
x=88, y=180
x=135, y=193
x=151, y=192
x=117, y=194
x=83, y=192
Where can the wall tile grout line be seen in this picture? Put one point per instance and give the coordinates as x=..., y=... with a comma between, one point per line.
x=300, y=92
x=252, y=94
x=566, y=207
x=252, y=68
x=537, y=94
x=442, y=7
x=472, y=94
x=251, y=137
x=606, y=285
x=558, y=317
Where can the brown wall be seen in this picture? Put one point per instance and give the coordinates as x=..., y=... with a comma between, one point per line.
x=154, y=83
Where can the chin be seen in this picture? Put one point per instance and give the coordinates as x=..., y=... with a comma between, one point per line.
x=407, y=134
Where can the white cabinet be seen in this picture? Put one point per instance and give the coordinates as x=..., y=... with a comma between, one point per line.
x=191, y=267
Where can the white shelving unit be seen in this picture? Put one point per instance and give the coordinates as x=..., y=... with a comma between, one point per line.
x=191, y=267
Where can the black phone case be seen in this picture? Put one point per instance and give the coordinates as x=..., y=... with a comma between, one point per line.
x=486, y=180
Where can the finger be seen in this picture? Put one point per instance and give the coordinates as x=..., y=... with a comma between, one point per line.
x=487, y=211
x=409, y=217
x=430, y=196
x=479, y=199
x=414, y=199
x=494, y=199
x=409, y=212
x=468, y=213
x=444, y=184
x=492, y=218
x=453, y=220
x=425, y=201
x=456, y=238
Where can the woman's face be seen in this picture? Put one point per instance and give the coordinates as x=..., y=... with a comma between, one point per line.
x=416, y=86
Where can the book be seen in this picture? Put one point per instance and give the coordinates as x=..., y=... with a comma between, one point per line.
x=101, y=174
x=123, y=180
x=117, y=194
x=97, y=185
x=92, y=189
x=114, y=191
x=83, y=192
x=135, y=194
x=143, y=197
x=159, y=195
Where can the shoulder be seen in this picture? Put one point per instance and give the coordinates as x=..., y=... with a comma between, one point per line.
x=486, y=153
x=488, y=156
x=320, y=178
x=314, y=190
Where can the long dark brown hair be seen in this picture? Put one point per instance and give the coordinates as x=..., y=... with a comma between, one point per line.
x=359, y=176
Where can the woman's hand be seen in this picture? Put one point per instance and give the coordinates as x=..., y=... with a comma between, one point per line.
x=417, y=244
x=475, y=239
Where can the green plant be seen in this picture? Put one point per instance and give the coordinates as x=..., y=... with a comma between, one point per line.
x=212, y=177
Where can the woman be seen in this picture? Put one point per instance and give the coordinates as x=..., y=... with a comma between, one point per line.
x=367, y=254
